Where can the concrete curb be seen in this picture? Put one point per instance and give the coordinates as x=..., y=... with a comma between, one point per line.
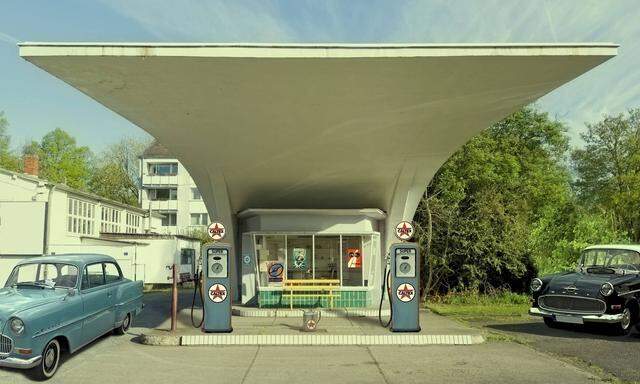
x=315, y=340
x=285, y=312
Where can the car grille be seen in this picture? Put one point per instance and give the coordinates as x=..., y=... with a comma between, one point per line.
x=569, y=304
x=6, y=344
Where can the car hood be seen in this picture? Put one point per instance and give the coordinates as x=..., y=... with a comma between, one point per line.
x=14, y=300
x=583, y=282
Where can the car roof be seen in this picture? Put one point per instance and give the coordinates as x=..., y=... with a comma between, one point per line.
x=70, y=258
x=632, y=247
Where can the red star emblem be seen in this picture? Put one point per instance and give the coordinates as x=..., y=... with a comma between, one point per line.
x=405, y=230
x=216, y=231
x=216, y=292
x=405, y=292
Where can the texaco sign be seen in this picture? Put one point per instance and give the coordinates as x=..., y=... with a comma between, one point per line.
x=216, y=231
x=404, y=230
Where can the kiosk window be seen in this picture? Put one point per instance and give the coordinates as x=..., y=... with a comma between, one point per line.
x=352, y=261
x=270, y=252
x=327, y=257
x=299, y=257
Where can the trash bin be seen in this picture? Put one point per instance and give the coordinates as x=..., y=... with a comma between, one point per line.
x=310, y=320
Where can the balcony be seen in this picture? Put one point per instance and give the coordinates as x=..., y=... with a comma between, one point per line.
x=148, y=179
x=164, y=205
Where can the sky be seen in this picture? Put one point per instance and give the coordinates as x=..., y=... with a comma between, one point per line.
x=35, y=102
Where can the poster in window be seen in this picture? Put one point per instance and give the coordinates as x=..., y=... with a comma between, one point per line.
x=299, y=258
x=354, y=258
x=276, y=271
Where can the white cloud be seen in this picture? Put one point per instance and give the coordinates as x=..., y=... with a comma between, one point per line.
x=610, y=88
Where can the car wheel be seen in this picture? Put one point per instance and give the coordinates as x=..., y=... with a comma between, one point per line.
x=48, y=365
x=627, y=322
x=124, y=327
x=549, y=322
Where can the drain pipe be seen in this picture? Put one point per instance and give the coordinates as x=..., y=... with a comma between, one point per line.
x=47, y=228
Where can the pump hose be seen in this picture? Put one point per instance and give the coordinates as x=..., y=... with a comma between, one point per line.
x=385, y=284
x=196, y=285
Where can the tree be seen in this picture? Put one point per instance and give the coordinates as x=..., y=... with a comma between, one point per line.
x=116, y=175
x=61, y=159
x=483, y=205
x=7, y=159
x=608, y=170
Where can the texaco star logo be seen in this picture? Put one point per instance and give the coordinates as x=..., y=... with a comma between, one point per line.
x=404, y=230
x=218, y=293
x=216, y=231
x=405, y=292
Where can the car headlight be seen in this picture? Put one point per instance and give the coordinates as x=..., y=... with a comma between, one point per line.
x=17, y=325
x=606, y=289
x=536, y=285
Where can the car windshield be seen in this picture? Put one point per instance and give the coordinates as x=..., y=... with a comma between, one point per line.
x=610, y=260
x=43, y=275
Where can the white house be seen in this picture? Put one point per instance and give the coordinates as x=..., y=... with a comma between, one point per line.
x=39, y=217
x=168, y=189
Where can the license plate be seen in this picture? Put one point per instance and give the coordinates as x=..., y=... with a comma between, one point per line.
x=569, y=319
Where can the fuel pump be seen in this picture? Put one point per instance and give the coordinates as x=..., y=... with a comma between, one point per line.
x=405, y=287
x=216, y=283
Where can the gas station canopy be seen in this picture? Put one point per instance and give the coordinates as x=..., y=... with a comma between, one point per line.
x=314, y=126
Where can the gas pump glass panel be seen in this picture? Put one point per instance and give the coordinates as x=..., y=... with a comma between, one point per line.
x=405, y=262
x=217, y=262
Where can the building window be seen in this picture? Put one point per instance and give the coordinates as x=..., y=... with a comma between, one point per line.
x=199, y=219
x=110, y=220
x=81, y=216
x=169, y=219
x=270, y=251
x=352, y=257
x=163, y=194
x=327, y=257
x=163, y=169
x=132, y=223
x=346, y=258
x=299, y=257
x=195, y=194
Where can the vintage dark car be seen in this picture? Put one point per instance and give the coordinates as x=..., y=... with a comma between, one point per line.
x=605, y=288
x=56, y=304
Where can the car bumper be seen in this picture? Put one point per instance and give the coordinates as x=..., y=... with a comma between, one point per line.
x=16, y=362
x=605, y=318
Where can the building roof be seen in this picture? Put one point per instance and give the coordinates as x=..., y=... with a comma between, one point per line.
x=66, y=188
x=314, y=125
x=156, y=150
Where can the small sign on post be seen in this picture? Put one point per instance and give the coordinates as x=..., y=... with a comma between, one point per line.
x=216, y=231
x=404, y=230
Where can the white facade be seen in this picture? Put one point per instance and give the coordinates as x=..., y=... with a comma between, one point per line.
x=38, y=217
x=168, y=189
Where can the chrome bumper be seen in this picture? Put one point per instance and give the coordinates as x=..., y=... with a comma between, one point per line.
x=18, y=363
x=533, y=311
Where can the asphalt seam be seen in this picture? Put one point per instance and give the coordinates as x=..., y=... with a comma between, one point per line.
x=253, y=360
x=377, y=364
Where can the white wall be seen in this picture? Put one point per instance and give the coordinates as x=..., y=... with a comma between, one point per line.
x=22, y=227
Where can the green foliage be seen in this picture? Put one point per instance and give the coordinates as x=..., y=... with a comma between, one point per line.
x=472, y=305
x=487, y=198
x=116, y=174
x=61, y=160
x=8, y=160
x=608, y=170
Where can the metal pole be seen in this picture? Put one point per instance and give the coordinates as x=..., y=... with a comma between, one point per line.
x=174, y=300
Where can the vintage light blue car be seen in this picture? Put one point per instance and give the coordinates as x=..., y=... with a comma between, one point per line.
x=56, y=304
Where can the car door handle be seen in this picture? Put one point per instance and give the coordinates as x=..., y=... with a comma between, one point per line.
x=109, y=295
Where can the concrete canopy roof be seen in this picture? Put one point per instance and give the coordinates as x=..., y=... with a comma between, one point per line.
x=314, y=126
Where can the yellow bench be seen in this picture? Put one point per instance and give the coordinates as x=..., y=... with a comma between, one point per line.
x=311, y=288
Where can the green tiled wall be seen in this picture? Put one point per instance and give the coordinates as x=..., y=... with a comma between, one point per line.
x=347, y=299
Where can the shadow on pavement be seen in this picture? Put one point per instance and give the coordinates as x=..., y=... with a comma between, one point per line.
x=595, y=331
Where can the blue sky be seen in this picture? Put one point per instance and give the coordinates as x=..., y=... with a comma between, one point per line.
x=35, y=103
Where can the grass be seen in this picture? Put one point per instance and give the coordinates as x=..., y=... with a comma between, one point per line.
x=472, y=305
